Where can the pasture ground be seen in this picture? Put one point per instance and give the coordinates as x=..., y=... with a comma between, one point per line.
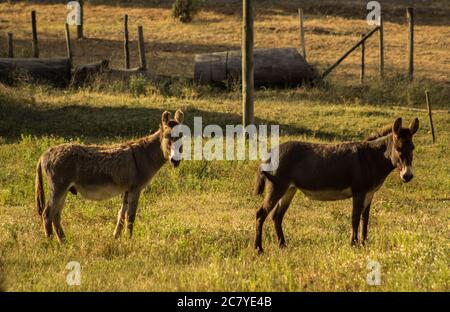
x=195, y=224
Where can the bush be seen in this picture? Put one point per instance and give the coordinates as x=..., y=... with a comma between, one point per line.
x=184, y=10
x=138, y=85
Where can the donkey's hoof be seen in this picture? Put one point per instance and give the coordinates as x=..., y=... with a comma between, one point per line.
x=259, y=250
x=282, y=245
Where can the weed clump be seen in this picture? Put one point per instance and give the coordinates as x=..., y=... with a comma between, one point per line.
x=184, y=10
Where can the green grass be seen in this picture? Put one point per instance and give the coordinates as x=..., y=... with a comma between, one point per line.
x=195, y=224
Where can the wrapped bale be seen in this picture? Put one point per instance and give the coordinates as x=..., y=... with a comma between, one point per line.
x=52, y=70
x=272, y=67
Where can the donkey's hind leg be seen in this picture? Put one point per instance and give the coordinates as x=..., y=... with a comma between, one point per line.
x=278, y=214
x=121, y=216
x=52, y=213
x=47, y=221
x=272, y=197
x=57, y=206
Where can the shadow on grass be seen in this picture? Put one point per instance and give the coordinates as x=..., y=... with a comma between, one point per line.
x=19, y=117
x=19, y=114
x=93, y=49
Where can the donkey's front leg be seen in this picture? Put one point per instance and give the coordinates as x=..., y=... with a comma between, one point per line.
x=133, y=199
x=365, y=216
x=358, y=206
x=121, y=216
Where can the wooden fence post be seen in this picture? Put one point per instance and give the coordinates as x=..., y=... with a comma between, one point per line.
x=247, y=63
x=363, y=52
x=34, y=42
x=142, y=48
x=364, y=38
x=302, y=32
x=10, y=43
x=126, y=47
x=381, y=44
x=410, y=15
x=68, y=44
x=80, y=27
x=427, y=95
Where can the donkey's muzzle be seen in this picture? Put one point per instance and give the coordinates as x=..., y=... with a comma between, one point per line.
x=174, y=162
x=407, y=177
x=406, y=173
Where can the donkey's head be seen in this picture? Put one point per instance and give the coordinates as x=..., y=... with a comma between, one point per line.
x=171, y=143
x=402, y=148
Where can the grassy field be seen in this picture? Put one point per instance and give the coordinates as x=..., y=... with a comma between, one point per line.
x=195, y=224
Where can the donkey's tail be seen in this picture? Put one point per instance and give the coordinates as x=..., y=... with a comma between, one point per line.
x=261, y=177
x=260, y=183
x=39, y=189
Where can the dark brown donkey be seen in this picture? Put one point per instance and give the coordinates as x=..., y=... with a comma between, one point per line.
x=101, y=172
x=334, y=172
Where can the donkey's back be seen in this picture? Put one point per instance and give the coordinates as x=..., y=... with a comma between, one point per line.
x=76, y=164
x=321, y=171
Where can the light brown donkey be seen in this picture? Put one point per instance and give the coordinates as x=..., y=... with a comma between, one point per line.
x=101, y=172
x=335, y=171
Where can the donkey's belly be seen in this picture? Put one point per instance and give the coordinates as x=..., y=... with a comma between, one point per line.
x=99, y=192
x=328, y=194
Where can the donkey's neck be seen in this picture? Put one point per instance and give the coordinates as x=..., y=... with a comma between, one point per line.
x=148, y=156
x=377, y=154
x=153, y=150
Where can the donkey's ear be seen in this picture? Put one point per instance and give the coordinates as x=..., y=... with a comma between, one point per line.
x=397, y=126
x=179, y=116
x=414, y=126
x=165, y=117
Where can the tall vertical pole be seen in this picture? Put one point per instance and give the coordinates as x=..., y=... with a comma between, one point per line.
x=10, y=45
x=247, y=63
x=68, y=44
x=80, y=27
x=142, y=48
x=363, y=52
x=381, y=47
x=126, y=42
x=410, y=15
x=302, y=32
x=34, y=43
x=427, y=96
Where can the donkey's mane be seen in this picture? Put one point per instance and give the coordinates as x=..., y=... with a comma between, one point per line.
x=143, y=141
x=380, y=133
